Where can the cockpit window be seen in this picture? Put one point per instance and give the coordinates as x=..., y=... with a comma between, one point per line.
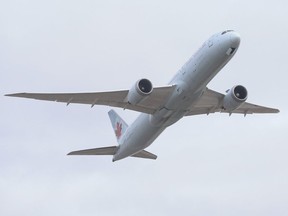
x=224, y=32
x=230, y=51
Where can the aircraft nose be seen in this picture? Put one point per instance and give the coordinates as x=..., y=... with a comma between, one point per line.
x=234, y=39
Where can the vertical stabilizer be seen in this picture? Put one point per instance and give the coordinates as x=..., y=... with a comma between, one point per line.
x=118, y=124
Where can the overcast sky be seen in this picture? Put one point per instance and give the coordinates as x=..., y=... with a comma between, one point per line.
x=207, y=165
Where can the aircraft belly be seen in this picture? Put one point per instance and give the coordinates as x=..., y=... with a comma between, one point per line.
x=199, y=71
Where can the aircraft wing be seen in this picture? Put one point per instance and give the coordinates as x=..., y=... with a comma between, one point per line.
x=211, y=102
x=149, y=105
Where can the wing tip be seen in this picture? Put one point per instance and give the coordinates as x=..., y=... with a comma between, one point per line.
x=15, y=94
x=273, y=110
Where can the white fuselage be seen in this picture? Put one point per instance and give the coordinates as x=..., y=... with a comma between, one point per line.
x=190, y=81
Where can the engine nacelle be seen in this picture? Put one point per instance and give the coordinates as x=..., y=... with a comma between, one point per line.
x=235, y=97
x=139, y=91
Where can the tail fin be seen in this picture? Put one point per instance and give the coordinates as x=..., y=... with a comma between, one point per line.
x=118, y=124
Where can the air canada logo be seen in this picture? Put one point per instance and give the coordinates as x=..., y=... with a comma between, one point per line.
x=118, y=130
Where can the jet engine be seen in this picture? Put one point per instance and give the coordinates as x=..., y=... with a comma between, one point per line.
x=235, y=97
x=139, y=91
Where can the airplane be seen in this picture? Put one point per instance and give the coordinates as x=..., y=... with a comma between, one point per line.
x=185, y=95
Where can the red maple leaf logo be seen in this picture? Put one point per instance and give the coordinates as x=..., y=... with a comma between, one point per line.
x=118, y=130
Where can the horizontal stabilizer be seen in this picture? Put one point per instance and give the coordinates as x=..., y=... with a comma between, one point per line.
x=96, y=151
x=145, y=154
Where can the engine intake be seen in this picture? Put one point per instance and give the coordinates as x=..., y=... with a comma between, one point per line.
x=235, y=97
x=139, y=91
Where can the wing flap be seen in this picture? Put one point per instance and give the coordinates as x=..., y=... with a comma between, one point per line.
x=145, y=154
x=111, y=150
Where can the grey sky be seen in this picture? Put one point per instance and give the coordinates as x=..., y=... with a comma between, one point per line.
x=215, y=165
